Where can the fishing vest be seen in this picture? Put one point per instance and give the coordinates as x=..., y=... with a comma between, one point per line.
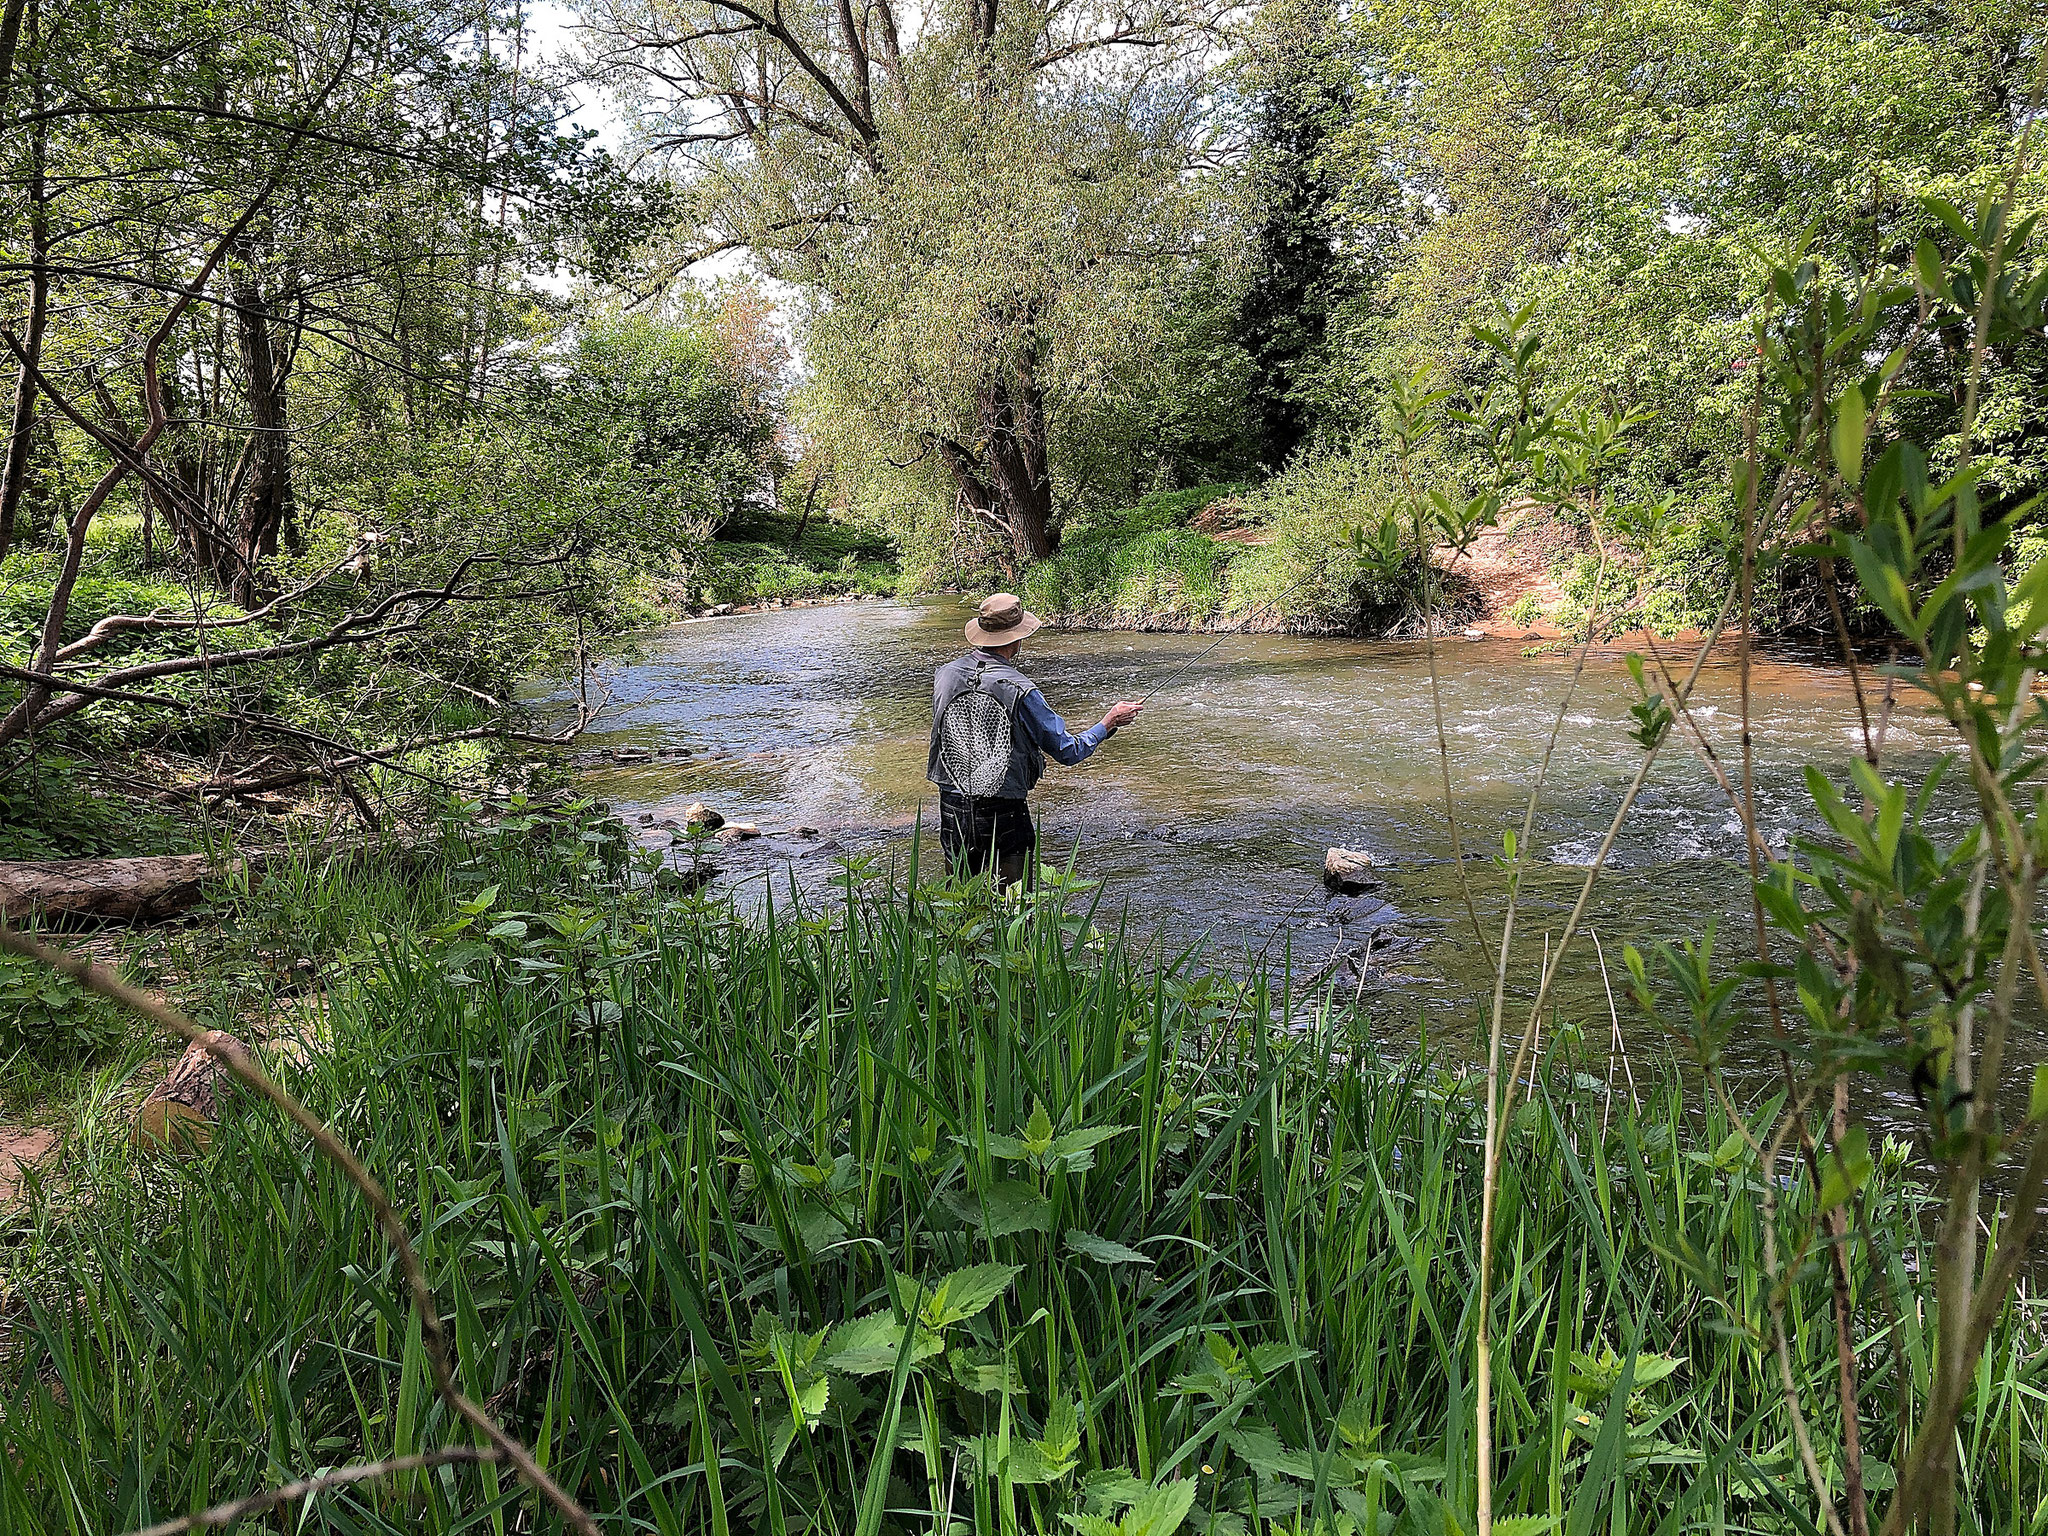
x=966, y=739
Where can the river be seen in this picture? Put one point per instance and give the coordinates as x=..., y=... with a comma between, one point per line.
x=1208, y=820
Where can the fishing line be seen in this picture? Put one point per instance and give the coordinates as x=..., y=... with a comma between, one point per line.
x=1271, y=602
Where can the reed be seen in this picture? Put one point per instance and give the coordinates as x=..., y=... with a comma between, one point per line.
x=910, y=1210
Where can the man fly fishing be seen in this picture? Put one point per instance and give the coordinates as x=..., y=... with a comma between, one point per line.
x=991, y=734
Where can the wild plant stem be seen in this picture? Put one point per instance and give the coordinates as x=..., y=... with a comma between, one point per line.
x=1490, y=1181
x=221, y=1515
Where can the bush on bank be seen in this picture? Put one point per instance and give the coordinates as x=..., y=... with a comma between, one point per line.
x=761, y=556
x=911, y=1204
x=1275, y=557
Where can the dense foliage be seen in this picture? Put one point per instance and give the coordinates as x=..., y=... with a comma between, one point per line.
x=1030, y=292
x=310, y=464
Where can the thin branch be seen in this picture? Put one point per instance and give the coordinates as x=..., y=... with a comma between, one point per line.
x=311, y=1487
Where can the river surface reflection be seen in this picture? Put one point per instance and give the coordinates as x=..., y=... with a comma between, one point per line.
x=1209, y=819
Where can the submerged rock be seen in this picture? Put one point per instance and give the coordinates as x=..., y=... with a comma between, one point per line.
x=1350, y=870
x=1343, y=909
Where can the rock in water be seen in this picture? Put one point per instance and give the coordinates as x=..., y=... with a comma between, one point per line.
x=701, y=815
x=1350, y=870
x=738, y=831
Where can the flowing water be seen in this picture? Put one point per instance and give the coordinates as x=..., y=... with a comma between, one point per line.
x=1209, y=819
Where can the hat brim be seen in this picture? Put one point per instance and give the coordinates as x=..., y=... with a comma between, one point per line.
x=1028, y=626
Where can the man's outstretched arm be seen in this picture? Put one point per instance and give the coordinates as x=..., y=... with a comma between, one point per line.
x=1062, y=745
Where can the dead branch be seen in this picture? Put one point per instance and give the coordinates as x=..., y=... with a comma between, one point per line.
x=310, y=1487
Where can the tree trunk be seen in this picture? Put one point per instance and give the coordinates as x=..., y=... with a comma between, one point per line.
x=14, y=472
x=1007, y=482
x=181, y=1111
x=1013, y=420
x=196, y=536
x=14, y=476
x=269, y=505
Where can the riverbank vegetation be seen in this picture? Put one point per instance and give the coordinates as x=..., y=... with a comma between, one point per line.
x=715, y=1205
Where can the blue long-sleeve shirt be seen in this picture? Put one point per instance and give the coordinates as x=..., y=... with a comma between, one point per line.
x=1052, y=735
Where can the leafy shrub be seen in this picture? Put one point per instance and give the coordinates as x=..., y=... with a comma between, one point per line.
x=49, y=1018
x=1299, y=570
x=48, y=812
x=24, y=599
x=762, y=556
x=1165, y=575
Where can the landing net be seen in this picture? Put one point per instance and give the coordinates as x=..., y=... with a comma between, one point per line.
x=974, y=743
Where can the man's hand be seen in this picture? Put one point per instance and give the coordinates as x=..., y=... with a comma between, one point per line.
x=1121, y=715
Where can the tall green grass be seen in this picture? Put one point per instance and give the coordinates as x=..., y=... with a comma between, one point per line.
x=916, y=1211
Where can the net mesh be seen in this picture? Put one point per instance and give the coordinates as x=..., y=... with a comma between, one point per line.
x=974, y=743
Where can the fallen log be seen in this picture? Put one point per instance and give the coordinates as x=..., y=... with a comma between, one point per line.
x=112, y=890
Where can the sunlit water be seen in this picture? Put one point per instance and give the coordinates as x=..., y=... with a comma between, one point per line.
x=1209, y=819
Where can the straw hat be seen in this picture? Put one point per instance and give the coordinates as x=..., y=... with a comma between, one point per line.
x=1001, y=619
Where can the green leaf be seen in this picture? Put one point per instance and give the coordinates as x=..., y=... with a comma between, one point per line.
x=1007, y=1207
x=1927, y=263
x=1077, y=1148
x=1845, y=1169
x=1025, y=1464
x=2037, y=1102
x=1952, y=216
x=968, y=1293
x=1102, y=1250
x=1852, y=424
x=1062, y=1437
x=1108, y=1490
x=1265, y=1455
x=984, y=1372
x=1160, y=1511
x=1038, y=1130
x=868, y=1345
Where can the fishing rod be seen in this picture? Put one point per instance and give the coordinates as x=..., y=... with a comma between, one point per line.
x=1271, y=602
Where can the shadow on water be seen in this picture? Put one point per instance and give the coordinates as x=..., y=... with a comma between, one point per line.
x=1211, y=816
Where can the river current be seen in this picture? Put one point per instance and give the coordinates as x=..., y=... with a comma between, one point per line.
x=1208, y=820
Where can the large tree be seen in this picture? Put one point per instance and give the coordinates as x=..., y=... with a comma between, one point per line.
x=978, y=202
